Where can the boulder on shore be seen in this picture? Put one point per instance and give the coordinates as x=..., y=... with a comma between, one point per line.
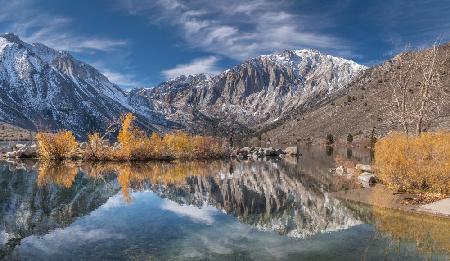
x=269, y=152
x=340, y=171
x=293, y=151
x=367, y=179
x=257, y=152
x=28, y=152
x=11, y=154
x=19, y=146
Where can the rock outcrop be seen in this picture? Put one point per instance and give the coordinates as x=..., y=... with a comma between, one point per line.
x=251, y=95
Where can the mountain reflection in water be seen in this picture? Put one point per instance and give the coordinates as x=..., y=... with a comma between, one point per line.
x=288, y=197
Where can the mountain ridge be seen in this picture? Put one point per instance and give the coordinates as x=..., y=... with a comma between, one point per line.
x=43, y=88
x=47, y=89
x=253, y=93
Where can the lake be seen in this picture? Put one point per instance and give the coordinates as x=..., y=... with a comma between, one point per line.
x=218, y=210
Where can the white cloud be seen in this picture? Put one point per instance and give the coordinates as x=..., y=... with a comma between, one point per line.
x=125, y=80
x=239, y=29
x=57, y=240
x=22, y=17
x=204, y=214
x=206, y=65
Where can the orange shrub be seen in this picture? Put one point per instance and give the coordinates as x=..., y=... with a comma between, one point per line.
x=420, y=164
x=56, y=146
x=133, y=144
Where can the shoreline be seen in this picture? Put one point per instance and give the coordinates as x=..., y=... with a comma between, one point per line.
x=381, y=197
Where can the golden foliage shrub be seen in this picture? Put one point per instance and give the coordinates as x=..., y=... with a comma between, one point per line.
x=417, y=164
x=98, y=149
x=56, y=146
x=179, y=144
x=136, y=145
x=133, y=145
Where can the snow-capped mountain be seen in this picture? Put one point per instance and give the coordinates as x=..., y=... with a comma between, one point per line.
x=41, y=88
x=253, y=94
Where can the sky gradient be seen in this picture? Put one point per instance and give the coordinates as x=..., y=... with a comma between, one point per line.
x=138, y=43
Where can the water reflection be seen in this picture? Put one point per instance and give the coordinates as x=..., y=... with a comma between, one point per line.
x=289, y=197
x=269, y=195
x=430, y=235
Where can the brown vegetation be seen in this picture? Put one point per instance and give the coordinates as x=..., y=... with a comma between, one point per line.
x=415, y=164
x=56, y=146
x=133, y=144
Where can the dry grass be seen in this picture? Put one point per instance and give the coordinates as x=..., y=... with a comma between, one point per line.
x=415, y=164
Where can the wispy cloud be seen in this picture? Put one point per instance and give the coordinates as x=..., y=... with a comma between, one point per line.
x=239, y=29
x=206, y=65
x=22, y=17
x=123, y=79
x=32, y=24
x=203, y=215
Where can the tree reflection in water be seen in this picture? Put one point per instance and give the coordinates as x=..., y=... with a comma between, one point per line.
x=268, y=195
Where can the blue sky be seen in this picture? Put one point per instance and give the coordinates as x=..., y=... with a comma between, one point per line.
x=143, y=42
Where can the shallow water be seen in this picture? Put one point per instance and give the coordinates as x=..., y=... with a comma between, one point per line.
x=220, y=210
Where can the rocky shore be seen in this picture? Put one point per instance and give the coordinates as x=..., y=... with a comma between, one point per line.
x=364, y=174
x=260, y=152
x=19, y=151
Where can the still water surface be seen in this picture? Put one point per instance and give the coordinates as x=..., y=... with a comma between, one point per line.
x=220, y=210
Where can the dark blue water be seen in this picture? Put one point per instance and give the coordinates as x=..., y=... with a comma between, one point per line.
x=270, y=210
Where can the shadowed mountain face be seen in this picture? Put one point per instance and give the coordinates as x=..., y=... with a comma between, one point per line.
x=253, y=94
x=42, y=88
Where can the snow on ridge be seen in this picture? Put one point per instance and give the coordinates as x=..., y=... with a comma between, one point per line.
x=45, y=84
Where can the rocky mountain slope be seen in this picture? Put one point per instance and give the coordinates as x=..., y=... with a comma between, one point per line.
x=251, y=95
x=363, y=109
x=9, y=133
x=45, y=89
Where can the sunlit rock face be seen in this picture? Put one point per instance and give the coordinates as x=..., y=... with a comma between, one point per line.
x=28, y=206
x=267, y=196
x=253, y=94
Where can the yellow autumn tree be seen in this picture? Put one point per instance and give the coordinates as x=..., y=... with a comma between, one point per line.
x=98, y=149
x=125, y=137
x=56, y=146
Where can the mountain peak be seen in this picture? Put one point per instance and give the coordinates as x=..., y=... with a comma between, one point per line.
x=10, y=37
